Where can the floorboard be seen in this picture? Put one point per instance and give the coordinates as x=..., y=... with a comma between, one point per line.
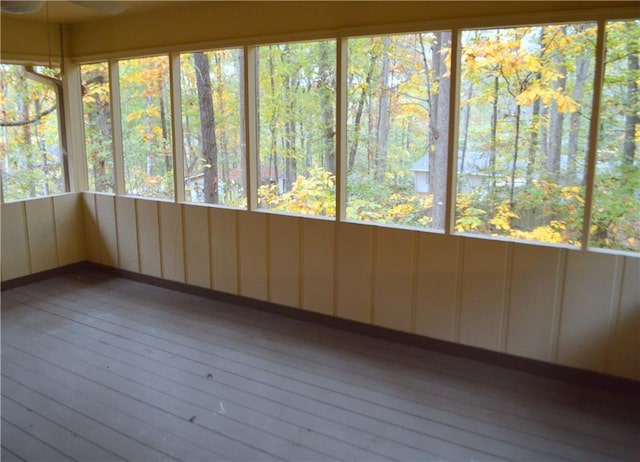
x=99, y=367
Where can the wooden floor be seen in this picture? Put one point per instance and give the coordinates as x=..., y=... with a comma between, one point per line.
x=101, y=368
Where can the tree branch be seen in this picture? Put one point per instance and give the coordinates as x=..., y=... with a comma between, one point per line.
x=20, y=123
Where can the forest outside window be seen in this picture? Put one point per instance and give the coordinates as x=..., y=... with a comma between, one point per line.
x=397, y=128
x=212, y=94
x=615, y=216
x=296, y=127
x=96, y=105
x=30, y=146
x=146, y=127
x=525, y=108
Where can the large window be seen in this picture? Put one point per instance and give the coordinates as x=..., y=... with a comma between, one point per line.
x=30, y=149
x=213, y=127
x=96, y=105
x=526, y=140
x=525, y=109
x=146, y=127
x=296, y=128
x=397, y=128
x=615, y=218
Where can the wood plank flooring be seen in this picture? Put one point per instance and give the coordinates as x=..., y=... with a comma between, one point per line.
x=102, y=368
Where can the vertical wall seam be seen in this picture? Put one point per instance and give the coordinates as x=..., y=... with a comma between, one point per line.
x=97, y=221
x=415, y=251
x=336, y=259
x=457, y=319
x=506, y=298
x=300, y=262
x=55, y=230
x=238, y=244
x=135, y=223
x=211, y=239
x=374, y=271
x=159, y=223
x=185, y=267
x=23, y=209
x=268, y=255
x=561, y=282
x=614, y=310
x=115, y=226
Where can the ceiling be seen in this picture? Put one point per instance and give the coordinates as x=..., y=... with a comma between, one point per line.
x=66, y=12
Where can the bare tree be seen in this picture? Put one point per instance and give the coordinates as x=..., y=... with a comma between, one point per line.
x=208, y=143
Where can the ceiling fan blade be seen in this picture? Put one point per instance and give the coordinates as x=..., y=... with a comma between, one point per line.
x=104, y=7
x=20, y=7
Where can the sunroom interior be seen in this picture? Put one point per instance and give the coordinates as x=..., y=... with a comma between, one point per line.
x=367, y=337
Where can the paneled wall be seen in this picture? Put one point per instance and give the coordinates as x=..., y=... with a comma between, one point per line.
x=41, y=234
x=580, y=309
x=568, y=307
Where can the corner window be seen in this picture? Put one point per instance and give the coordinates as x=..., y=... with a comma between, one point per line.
x=146, y=127
x=96, y=106
x=30, y=147
x=615, y=217
x=397, y=128
x=296, y=127
x=525, y=107
x=212, y=94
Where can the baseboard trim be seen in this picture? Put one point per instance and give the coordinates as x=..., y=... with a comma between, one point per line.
x=555, y=371
x=42, y=275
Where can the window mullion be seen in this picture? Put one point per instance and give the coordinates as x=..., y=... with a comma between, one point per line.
x=593, y=132
x=177, y=136
x=341, y=128
x=74, y=123
x=251, y=126
x=116, y=127
x=452, y=157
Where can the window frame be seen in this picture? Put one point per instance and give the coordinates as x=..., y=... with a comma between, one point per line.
x=455, y=25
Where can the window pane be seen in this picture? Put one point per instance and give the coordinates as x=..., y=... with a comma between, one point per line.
x=296, y=124
x=213, y=127
x=615, y=218
x=96, y=105
x=397, y=128
x=146, y=127
x=30, y=150
x=525, y=106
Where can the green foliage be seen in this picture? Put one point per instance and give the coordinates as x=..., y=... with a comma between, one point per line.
x=146, y=126
x=29, y=152
x=96, y=104
x=226, y=76
x=313, y=194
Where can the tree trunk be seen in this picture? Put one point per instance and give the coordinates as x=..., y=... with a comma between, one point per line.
x=632, y=119
x=514, y=165
x=556, y=123
x=493, y=146
x=353, y=149
x=327, y=83
x=222, y=129
x=208, y=143
x=382, y=146
x=441, y=141
x=582, y=73
x=465, y=128
x=168, y=158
